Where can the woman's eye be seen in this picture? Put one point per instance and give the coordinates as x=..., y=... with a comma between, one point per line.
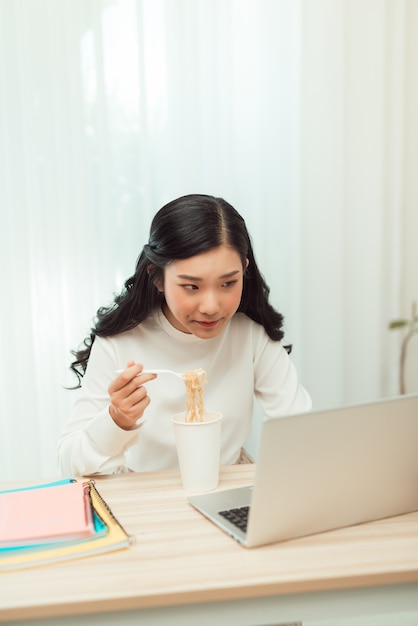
x=230, y=283
x=190, y=287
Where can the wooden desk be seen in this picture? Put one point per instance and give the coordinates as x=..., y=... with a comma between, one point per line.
x=183, y=570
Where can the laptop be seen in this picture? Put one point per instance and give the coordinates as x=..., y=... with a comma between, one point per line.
x=322, y=470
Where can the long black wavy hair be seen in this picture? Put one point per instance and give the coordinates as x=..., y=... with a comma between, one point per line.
x=185, y=227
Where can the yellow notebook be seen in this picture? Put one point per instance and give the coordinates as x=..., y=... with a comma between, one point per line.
x=115, y=538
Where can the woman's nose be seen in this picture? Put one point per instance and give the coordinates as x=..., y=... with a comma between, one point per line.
x=209, y=304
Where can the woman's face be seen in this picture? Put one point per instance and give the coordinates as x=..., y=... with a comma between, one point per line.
x=204, y=291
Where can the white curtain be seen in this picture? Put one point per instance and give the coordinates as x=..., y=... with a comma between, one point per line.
x=295, y=111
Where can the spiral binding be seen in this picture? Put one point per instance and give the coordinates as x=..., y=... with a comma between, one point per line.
x=101, y=502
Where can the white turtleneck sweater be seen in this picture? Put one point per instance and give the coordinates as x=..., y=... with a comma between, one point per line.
x=240, y=363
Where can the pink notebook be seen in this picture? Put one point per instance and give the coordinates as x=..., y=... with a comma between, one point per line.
x=46, y=514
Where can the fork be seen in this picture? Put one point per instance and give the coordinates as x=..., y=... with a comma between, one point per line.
x=157, y=371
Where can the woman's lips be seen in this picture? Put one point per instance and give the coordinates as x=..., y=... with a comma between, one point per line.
x=207, y=324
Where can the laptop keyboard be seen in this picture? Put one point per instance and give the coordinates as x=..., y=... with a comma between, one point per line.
x=238, y=517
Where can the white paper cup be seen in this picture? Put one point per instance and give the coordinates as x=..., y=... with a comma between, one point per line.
x=198, y=450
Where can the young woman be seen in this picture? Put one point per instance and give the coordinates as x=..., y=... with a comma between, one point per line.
x=197, y=300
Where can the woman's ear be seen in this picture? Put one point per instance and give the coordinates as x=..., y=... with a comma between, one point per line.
x=157, y=281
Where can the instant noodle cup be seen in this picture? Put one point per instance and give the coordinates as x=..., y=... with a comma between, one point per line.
x=198, y=450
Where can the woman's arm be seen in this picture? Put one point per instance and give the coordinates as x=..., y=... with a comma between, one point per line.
x=106, y=417
x=277, y=386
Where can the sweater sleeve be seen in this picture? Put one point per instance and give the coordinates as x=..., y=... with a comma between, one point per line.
x=92, y=443
x=277, y=387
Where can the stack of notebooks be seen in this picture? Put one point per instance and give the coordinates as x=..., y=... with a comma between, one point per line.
x=54, y=522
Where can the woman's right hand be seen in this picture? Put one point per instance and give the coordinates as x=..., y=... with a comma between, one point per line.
x=128, y=396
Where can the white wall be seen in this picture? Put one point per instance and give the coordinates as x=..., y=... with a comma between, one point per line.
x=410, y=246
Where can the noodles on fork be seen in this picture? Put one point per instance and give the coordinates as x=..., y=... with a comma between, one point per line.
x=195, y=381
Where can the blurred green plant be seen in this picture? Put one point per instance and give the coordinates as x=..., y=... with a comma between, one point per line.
x=411, y=326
